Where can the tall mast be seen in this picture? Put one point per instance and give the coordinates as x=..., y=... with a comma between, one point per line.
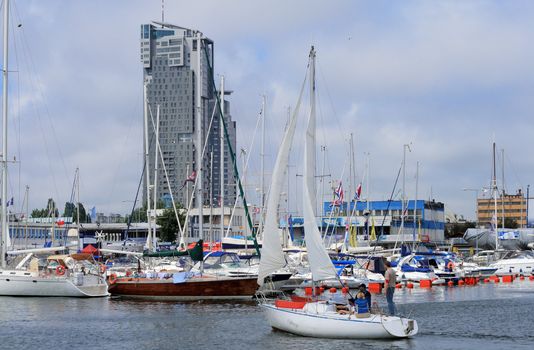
x=262, y=170
x=495, y=199
x=221, y=161
x=156, y=149
x=147, y=172
x=311, y=160
x=502, y=191
x=200, y=141
x=5, y=228
x=78, y=197
x=415, y=201
x=211, y=199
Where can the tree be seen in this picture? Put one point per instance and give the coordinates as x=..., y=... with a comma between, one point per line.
x=50, y=210
x=457, y=229
x=169, y=225
x=508, y=223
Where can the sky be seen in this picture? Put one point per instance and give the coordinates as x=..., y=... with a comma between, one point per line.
x=448, y=78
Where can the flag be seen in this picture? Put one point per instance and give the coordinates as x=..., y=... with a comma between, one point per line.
x=9, y=202
x=373, y=232
x=256, y=210
x=93, y=214
x=190, y=178
x=338, y=192
x=358, y=193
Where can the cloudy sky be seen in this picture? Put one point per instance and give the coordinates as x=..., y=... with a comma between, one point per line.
x=449, y=77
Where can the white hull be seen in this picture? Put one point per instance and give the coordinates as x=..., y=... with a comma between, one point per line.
x=514, y=266
x=330, y=324
x=34, y=286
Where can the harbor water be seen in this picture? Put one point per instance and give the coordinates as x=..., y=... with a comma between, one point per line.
x=489, y=316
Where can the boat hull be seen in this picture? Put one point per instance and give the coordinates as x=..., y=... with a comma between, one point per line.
x=334, y=325
x=193, y=289
x=31, y=286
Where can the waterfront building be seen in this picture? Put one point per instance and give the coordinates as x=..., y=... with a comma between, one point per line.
x=427, y=226
x=171, y=67
x=512, y=207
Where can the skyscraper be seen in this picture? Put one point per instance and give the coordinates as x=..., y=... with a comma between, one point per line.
x=171, y=67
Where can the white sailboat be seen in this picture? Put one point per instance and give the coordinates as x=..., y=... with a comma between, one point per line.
x=34, y=274
x=314, y=318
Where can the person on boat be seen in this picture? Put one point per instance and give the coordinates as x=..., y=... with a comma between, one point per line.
x=363, y=289
x=391, y=281
x=348, y=309
x=362, y=308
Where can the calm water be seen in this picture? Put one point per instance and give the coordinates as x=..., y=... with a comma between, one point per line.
x=486, y=316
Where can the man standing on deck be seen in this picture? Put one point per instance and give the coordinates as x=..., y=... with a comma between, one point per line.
x=391, y=281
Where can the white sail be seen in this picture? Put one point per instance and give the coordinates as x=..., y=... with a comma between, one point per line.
x=320, y=263
x=272, y=257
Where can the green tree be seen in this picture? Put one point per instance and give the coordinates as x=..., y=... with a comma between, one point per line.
x=69, y=209
x=49, y=211
x=508, y=223
x=169, y=225
x=457, y=229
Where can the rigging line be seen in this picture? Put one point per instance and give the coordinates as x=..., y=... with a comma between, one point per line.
x=243, y=176
x=158, y=145
x=197, y=177
x=14, y=123
x=36, y=83
x=129, y=223
x=335, y=116
x=123, y=151
x=37, y=112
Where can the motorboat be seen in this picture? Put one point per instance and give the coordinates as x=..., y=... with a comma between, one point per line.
x=515, y=262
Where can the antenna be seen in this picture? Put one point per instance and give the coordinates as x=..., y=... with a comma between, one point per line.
x=163, y=11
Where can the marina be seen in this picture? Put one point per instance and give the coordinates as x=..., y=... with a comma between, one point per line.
x=268, y=181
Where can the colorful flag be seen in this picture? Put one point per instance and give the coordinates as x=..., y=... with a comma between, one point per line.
x=358, y=193
x=338, y=195
x=190, y=178
x=9, y=202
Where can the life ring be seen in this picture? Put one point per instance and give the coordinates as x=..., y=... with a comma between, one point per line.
x=450, y=265
x=60, y=270
x=112, y=278
x=102, y=268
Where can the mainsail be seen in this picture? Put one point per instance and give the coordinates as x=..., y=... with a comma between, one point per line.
x=320, y=263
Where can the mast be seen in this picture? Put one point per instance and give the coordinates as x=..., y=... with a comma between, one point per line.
x=155, y=178
x=221, y=162
x=5, y=227
x=312, y=122
x=503, y=191
x=147, y=173
x=415, y=201
x=403, y=201
x=262, y=170
x=211, y=200
x=78, y=197
x=198, y=127
x=495, y=199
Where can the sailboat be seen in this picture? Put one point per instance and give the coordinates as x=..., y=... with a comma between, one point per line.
x=313, y=318
x=193, y=284
x=37, y=273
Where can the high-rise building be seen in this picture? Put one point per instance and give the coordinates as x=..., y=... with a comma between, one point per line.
x=172, y=67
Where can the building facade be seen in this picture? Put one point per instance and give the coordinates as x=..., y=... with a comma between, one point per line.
x=511, y=207
x=172, y=64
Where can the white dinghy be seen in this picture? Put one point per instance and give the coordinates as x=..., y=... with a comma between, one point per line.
x=313, y=318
